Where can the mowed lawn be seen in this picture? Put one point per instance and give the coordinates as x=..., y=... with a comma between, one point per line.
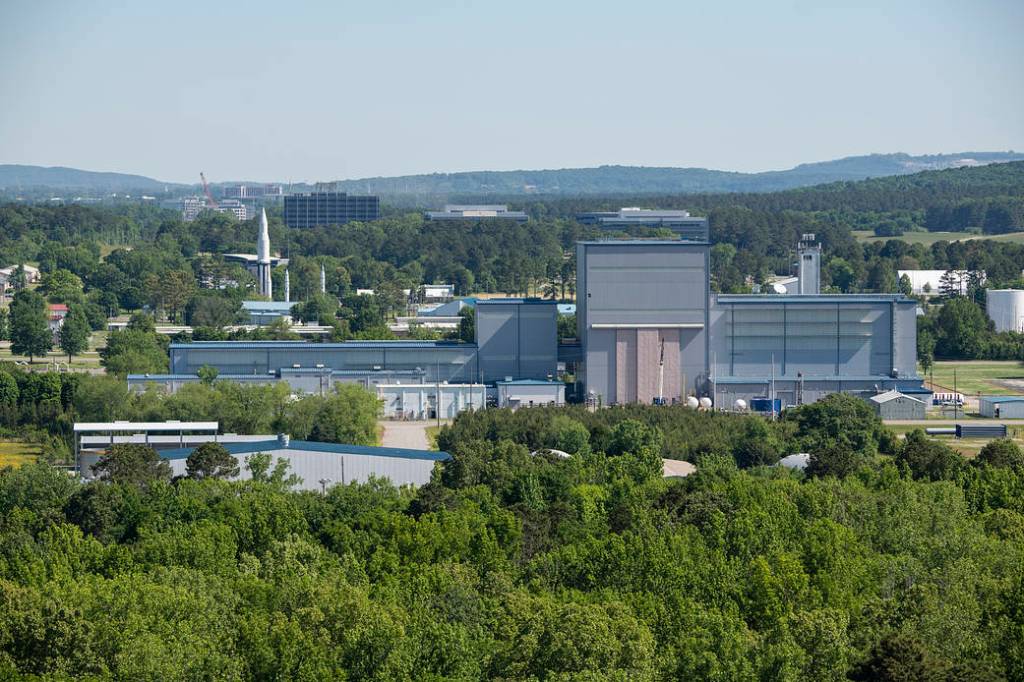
x=16, y=453
x=88, y=360
x=929, y=238
x=977, y=376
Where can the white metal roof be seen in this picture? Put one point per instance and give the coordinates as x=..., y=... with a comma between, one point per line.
x=892, y=395
x=116, y=427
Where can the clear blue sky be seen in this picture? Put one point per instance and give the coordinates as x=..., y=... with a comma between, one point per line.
x=332, y=90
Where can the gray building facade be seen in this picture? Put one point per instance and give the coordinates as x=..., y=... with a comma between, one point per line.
x=650, y=331
x=517, y=338
x=432, y=360
x=1001, y=406
x=329, y=208
x=802, y=348
x=642, y=318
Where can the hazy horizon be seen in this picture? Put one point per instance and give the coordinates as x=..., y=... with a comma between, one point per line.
x=256, y=91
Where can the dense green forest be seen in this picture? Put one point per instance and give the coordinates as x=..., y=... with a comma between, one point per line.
x=518, y=566
x=42, y=407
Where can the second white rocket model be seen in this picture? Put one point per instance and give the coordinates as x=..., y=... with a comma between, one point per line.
x=263, y=258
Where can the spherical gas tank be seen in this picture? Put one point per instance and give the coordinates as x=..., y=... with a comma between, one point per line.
x=740, y=404
x=705, y=402
x=692, y=403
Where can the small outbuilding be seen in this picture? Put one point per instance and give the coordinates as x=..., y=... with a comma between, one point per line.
x=896, y=405
x=529, y=393
x=1001, y=406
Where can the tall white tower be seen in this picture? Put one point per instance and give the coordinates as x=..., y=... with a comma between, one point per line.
x=287, y=287
x=809, y=252
x=263, y=257
x=323, y=279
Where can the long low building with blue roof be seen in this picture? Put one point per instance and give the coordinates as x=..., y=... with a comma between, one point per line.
x=322, y=465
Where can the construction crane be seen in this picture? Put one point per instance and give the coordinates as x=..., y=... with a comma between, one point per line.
x=206, y=190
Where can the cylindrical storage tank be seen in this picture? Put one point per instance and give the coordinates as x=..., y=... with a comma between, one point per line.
x=1006, y=309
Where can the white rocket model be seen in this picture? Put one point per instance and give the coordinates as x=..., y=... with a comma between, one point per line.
x=263, y=257
x=323, y=279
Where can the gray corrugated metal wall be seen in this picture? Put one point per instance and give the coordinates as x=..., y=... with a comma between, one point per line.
x=901, y=408
x=336, y=468
x=517, y=339
x=631, y=295
x=453, y=362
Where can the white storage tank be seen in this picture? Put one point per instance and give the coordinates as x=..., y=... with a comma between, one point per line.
x=1006, y=309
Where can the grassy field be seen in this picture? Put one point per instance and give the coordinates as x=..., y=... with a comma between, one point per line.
x=88, y=361
x=976, y=376
x=16, y=453
x=929, y=238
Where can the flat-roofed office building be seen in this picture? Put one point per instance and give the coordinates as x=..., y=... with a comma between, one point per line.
x=329, y=208
x=474, y=212
x=691, y=228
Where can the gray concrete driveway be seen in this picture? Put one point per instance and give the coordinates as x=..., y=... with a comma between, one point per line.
x=411, y=435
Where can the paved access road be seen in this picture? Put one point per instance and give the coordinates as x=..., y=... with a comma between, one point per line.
x=411, y=434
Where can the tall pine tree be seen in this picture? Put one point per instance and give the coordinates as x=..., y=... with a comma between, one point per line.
x=74, y=333
x=30, y=329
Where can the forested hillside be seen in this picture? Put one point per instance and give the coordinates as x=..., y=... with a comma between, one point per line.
x=520, y=566
x=603, y=180
x=15, y=177
x=917, y=192
x=606, y=180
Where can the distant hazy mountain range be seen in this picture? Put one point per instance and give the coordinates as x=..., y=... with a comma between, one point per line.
x=566, y=181
x=14, y=177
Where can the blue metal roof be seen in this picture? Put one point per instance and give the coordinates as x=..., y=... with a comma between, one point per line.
x=1003, y=398
x=814, y=298
x=310, y=446
x=178, y=377
x=806, y=378
x=517, y=301
x=300, y=345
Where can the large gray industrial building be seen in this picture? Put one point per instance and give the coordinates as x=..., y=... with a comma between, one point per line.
x=649, y=330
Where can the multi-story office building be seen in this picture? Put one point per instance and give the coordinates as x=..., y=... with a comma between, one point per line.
x=234, y=207
x=688, y=227
x=250, y=191
x=191, y=207
x=472, y=212
x=329, y=208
